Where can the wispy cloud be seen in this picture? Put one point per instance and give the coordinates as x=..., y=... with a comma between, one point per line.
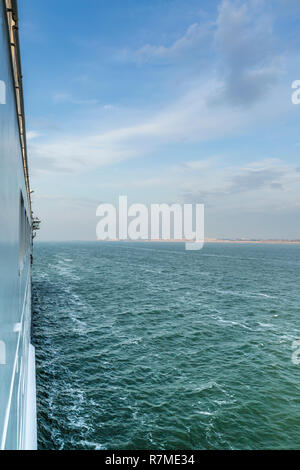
x=195, y=35
x=247, y=52
x=30, y=135
x=243, y=40
x=60, y=98
x=259, y=185
x=191, y=118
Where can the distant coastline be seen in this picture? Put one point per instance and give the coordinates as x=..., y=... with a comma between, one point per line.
x=266, y=242
x=218, y=240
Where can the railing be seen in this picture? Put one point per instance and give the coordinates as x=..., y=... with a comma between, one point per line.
x=12, y=21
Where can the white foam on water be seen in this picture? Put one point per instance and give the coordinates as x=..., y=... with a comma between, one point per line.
x=233, y=323
x=93, y=445
x=266, y=325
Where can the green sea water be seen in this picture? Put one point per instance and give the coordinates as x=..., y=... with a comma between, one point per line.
x=149, y=346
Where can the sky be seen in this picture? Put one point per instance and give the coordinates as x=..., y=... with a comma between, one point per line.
x=165, y=101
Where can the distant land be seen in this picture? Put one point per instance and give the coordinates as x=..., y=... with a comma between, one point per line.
x=219, y=240
x=245, y=240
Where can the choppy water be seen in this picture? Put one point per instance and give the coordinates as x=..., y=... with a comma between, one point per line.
x=147, y=346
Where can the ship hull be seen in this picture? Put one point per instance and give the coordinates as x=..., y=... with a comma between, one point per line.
x=17, y=363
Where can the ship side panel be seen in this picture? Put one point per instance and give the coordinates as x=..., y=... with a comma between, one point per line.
x=15, y=250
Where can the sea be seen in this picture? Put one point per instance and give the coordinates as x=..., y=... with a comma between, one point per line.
x=148, y=346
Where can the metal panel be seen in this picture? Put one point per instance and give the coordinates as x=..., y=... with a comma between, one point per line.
x=15, y=274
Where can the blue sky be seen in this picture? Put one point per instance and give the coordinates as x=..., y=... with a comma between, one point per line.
x=163, y=101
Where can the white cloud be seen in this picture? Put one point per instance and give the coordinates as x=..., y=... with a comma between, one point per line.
x=248, y=57
x=263, y=185
x=207, y=111
x=30, y=135
x=199, y=164
x=60, y=98
x=191, y=118
x=192, y=38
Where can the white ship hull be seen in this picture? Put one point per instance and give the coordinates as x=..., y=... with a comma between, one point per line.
x=17, y=361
